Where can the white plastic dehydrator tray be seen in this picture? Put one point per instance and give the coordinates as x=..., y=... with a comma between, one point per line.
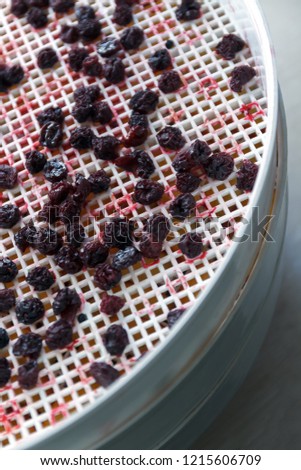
x=205, y=108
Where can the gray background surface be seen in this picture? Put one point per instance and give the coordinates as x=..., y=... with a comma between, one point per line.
x=266, y=412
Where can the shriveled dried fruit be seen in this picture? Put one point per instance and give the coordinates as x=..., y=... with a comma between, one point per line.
x=75, y=235
x=82, y=189
x=18, y=8
x=106, y=147
x=188, y=10
x=89, y=29
x=40, y=278
x=158, y=226
x=150, y=247
x=169, y=44
x=170, y=81
x=29, y=311
x=147, y=191
x=55, y=170
x=69, y=211
x=118, y=232
x=229, y=46
x=28, y=375
x=103, y=373
x=81, y=138
x=37, y=18
x=62, y=6
x=183, y=162
x=8, y=177
x=76, y=57
x=92, y=67
x=59, y=192
x=5, y=372
x=8, y=270
x=132, y=38
x=48, y=241
x=14, y=74
x=66, y=304
x=114, y=70
x=111, y=304
x=29, y=345
x=35, y=161
x=69, y=260
x=171, y=138
x=144, y=101
x=246, y=176
x=240, y=76
x=94, y=253
x=25, y=237
x=9, y=215
x=84, y=12
x=115, y=340
x=51, y=135
x=187, y=182
x=182, y=206
x=4, y=340
x=191, y=244
x=106, y=276
x=47, y=58
x=7, y=299
x=69, y=33
x=99, y=181
x=138, y=119
x=52, y=114
x=126, y=258
x=219, y=166
x=37, y=3
x=108, y=47
x=102, y=113
x=137, y=162
x=59, y=335
x=174, y=315
x=122, y=14
x=135, y=137
x=87, y=94
x=82, y=111
x=48, y=213
x=160, y=60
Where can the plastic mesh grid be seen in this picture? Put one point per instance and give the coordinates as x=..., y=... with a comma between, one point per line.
x=205, y=108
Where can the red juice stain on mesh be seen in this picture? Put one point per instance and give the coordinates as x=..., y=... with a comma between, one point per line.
x=61, y=410
x=251, y=111
x=11, y=413
x=149, y=308
x=215, y=124
x=190, y=37
x=206, y=85
x=179, y=281
x=75, y=342
x=175, y=116
x=82, y=375
x=208, y=212
x=193, y=260
x=148, y=264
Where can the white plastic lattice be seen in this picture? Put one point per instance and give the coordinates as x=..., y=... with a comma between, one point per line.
x=205, y=108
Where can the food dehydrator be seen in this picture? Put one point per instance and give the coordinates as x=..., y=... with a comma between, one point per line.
x=173, y=383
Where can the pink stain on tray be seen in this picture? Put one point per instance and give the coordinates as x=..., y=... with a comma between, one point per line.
x=6, y=418
x=179, y=281
x=175, y=116
x=252, y=111
x=206, y=85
